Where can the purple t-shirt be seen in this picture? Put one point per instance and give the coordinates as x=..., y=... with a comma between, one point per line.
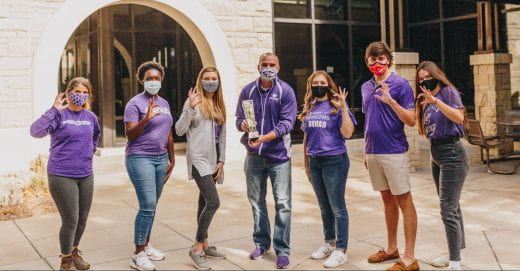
x=74, y=138
x=322, y=129
x=154, y=139
x=384, y=131
x=217, y=130
x=436, y=124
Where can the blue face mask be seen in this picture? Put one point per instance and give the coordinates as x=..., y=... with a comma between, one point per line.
x=78, y=99
x=152, y=87
x=209, y=85
x=268, y=73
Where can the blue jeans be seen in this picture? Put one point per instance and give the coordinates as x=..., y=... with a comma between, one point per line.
x=450, y=167
x=257, y=169
x=329, y=180
x=147, y=174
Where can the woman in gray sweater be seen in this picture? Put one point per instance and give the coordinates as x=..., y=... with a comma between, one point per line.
x=203, y=121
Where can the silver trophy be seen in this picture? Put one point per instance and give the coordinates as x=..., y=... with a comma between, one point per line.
x=249, y=113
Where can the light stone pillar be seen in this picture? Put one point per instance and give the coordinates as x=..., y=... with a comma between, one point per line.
x=405, y=64
x=492, y=79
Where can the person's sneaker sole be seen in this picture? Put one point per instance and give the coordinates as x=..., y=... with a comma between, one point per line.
x=198, y=267
x=134, y=266
x=259, y=257
x=282, y=267
x=156, y=259
x=319, y=258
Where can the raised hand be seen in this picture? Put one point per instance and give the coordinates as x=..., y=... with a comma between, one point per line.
x=340, y=99
x=150, y=114
x=194, y=97
x=58, y=101
x=427, y=96
x=385, y=94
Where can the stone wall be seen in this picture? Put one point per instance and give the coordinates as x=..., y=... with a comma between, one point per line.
x=492, y=91
x=21, y=22
x=248, y=25
x=405, y=64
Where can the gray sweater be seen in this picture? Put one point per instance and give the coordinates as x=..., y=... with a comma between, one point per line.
x=200, y=147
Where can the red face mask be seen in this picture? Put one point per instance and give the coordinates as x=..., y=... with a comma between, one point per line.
x=378, y=68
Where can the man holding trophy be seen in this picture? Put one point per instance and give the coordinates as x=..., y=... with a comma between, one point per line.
x=266, y=113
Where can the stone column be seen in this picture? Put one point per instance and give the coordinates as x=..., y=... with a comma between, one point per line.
x=405, y=64
x=492, y=79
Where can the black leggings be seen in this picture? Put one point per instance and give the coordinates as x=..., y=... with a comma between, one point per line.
x=208, y=203
x=73, y=197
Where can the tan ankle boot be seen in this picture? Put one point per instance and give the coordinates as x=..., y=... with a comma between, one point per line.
x=78, y=261
x=66, y=263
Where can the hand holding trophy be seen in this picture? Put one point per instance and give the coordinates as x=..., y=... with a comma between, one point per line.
x=249, y=113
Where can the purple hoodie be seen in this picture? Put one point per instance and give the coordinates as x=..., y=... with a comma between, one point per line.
x=74, y=138
x=275, y=110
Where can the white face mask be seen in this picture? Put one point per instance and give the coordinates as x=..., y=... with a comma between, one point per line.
x=152, y=87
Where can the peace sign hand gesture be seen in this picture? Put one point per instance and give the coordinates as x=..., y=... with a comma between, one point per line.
x=385, y=94
x=340, y=99
x=150, y=114
x=427, y=96
x=58, y=101
x=194, y=97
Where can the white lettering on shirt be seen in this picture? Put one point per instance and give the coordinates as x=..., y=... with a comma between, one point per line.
x=76, y=122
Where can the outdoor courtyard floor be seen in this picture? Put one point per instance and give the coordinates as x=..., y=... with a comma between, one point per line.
x=490, y=204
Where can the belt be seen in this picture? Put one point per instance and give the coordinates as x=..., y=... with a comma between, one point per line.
x=444, y=141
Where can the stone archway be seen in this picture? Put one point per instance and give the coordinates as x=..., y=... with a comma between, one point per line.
x=198, y=22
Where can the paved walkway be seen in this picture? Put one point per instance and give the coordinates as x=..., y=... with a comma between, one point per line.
x=491, y=204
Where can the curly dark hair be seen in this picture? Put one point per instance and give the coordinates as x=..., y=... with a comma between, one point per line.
x=143, y=68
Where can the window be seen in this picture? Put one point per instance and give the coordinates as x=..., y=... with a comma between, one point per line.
x=445, y=32
x=325, y=40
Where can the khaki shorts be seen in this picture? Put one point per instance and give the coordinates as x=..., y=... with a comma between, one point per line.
x=389, y=172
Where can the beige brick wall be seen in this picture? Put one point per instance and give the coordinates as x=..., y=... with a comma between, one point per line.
x=405, y=66
x=492, y=92
x=21, y=22
x=246, y=23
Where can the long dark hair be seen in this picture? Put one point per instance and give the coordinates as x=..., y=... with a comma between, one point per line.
x=436, y=73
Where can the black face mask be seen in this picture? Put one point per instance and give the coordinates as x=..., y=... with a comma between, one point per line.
x=319, y=91
x=430, y=84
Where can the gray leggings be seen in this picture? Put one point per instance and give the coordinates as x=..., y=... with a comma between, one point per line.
x=208, y=203
x=450, y=168
x=73, y=197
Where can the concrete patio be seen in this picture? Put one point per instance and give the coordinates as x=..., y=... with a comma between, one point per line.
x=490, y=203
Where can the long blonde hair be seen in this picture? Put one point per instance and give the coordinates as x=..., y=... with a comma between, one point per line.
x=216, y=112
x=333, y=89
x=76, y=81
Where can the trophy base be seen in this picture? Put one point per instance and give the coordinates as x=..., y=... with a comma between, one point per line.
x=253, y=136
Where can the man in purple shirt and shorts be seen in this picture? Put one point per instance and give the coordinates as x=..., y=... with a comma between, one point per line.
x=388, y=104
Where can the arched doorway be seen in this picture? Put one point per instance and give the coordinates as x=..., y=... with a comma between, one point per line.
x=110, y=44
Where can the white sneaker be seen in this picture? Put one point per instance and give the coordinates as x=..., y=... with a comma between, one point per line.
x=324, y=251
x=441, y=261
x=336, y=259
x=154, y=254
x=454, y=268
x=141, y=262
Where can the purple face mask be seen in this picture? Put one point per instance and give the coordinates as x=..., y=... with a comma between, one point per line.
x=78, y=99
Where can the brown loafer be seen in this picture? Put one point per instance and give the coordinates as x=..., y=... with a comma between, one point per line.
x=382, y=256
x=398, y=266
